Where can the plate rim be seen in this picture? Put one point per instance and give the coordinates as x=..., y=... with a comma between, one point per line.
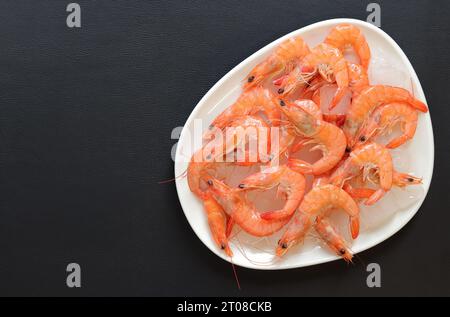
x=264, y=50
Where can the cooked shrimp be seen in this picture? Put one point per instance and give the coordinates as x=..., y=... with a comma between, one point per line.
x=246, y=138
x=282, y=60
x=402, y=179
x=320, y=201
x=291, y=185
x=366, y=158
x=332, y=238
x=398, y=180
x=358, y=81
x=371, y=98
x=310, y=107
x=384, y=118
x=242, y=211
x=346, y=35
x=329, y=139
x=219, y=151
x=294, y=82
x=331, y=65
x=217, y=220
x=201, y=163
x=358, y=78
x=338, y=119
x=251, y=102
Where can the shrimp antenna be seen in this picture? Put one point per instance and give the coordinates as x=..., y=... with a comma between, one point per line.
x=241, y=250
x=182, y=175
x=235, y=274
x=306, y=77
x=360, y=259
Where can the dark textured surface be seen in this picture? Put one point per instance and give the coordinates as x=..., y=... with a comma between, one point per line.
x=85, y=121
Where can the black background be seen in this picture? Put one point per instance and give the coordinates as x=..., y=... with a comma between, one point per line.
x=86, y=117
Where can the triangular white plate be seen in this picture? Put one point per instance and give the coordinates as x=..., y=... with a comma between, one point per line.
x=389, y=66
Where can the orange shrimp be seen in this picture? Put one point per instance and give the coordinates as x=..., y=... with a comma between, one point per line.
x=309, y=106
x=291, y=185
x=331, y=65
x=346, y=35
x=384, y=118
x=320, y=201
x=218, y=223
x=398, y=180
x=243, y=131
x=242, y=211
x=371, y=98
x=282, y=60
x=218, y=151
x=251, y=102
x=333, y=239
x=402, y=179
x=365, y=158
x=329, y=139
x=294, y=81
x=358, y=78
x=201, y=163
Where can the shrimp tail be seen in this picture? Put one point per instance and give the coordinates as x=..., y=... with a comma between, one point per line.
x=300, y=166
x=358, y=192
x=354, y=226
x=341, y=91
x=376, y=196
x=337, y=119
x=419, y=105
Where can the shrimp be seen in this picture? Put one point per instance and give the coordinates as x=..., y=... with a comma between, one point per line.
x=320, y=201
x=249, y=103
x=331, y=65
x=344, y=35
x=282, y=60
x=215, y=152
x=243, y=131
x=333, y=239
x=198, y=168
x=311, y=107
x=371, y=98
x=242, y=211
x=365, y=158
x=329, y=139
x=290, y=184
x=400, y=180
x=384, y=118
x=201, y=163
x=358, y=78
x=294, y=81
x=218, y=223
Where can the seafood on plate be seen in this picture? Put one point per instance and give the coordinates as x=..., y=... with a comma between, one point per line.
x=281, y=96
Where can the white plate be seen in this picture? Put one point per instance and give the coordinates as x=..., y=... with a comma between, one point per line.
x=379, y=222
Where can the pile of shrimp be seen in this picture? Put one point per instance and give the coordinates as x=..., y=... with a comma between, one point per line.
x=355, y=168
